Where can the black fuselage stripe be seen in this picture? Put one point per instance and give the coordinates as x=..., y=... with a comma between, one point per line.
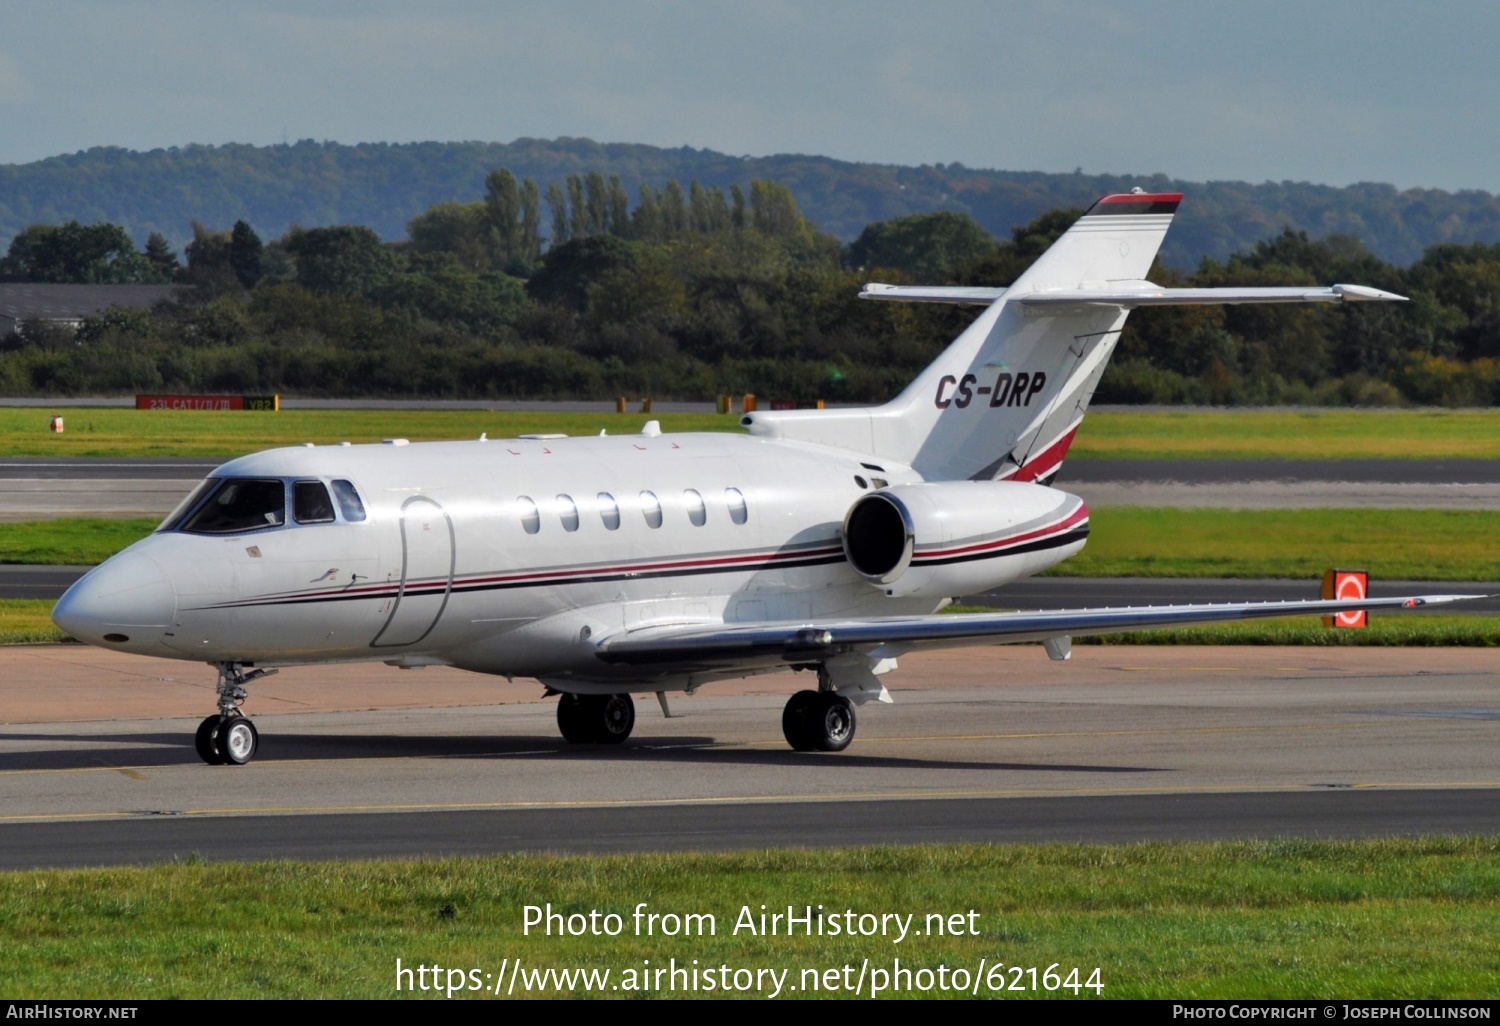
x=1056, y=541
x=440, y=589
x=1077, y=534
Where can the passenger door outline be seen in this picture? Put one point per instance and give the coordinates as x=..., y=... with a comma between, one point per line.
x=405, y=568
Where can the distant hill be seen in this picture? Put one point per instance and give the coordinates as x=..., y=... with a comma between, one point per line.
x=384, y=185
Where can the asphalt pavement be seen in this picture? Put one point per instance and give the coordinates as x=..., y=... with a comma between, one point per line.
x=1323, y=815
x=989, y=744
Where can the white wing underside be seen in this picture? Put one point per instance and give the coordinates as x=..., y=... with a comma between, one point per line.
x=803, y=641
x=1128, y=294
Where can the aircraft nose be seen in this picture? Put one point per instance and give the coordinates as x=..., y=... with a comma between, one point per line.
x=126, y=599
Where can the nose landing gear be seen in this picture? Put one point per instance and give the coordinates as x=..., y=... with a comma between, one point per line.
x=228, y=738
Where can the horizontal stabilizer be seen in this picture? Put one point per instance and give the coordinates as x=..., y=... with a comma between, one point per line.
x=932, y=294
x=710, y=645
x=1128, y=294
x=1133, y=294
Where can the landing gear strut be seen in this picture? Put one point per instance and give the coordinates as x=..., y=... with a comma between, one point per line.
x=228, y=738
x=595, y=719
x=818, y=721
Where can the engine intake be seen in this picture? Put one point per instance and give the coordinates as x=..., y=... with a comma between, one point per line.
x=879, y=537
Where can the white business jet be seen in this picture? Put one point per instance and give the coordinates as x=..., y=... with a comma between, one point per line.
x=821, y=540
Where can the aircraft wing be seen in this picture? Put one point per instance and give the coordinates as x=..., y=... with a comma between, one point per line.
x=1129, y=294
x=800, y=641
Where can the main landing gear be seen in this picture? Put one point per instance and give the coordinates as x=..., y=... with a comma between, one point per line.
x=595, y=719
x=818, y=721
x=228, y=738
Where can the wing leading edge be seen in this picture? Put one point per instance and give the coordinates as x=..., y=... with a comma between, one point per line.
x=801, y=641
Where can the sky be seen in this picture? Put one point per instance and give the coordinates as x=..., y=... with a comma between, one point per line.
x=1331, y=91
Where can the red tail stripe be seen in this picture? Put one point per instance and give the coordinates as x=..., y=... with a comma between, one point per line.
x=1047, y=459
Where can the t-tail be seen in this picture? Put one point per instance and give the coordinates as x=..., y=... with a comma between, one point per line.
x=1006, y=398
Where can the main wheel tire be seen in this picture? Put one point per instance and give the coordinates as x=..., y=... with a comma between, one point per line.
x=832, y=722
x=572, y=719
x=237, y=741
x=796, y=721
x=616, y=718
x=206, y=740
x=596, y=719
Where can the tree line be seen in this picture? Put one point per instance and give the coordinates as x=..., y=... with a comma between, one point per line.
x=384, y=185
x=579, y=290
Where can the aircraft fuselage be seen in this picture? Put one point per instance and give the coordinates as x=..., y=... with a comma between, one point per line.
x=508, y=556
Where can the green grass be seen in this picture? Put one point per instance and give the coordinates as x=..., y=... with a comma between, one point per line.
x=1278, y=433
x=28, y=622
x=1369, y=919
x=80, y=541
x=1393, y=544
x=124, y=432
x=1291, y=434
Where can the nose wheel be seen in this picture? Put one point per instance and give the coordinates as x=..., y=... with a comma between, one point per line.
x=595, y=719
x=230, y=741
x=227, y=738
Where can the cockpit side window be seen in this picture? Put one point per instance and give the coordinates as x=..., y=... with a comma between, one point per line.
x=187, y=505
x=310, y=503
x=349, y=502
x=240, y=504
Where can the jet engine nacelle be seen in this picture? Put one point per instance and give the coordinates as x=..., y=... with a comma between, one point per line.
x=959, y=537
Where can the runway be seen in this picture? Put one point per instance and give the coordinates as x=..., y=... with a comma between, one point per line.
x=982, y=744
x=39, y=488
x=634, y=828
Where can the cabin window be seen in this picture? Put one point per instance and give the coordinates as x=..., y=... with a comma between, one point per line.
x=651, y=509
x=861, y=481
x=736, y=499
x=349, y=502
x=531, y=517
x=609, y=511
x=696, y=511
x=310, y=503
x=240, y=505
x=567, y=512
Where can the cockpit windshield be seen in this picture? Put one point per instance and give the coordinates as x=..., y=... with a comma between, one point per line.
x=240, y=505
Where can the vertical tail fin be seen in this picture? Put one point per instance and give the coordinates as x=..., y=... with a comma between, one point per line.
x=1004, y=400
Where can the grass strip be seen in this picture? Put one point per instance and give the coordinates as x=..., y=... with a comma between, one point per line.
x=1356, y=919
x=1392, y=544
x=1290, y=433
x=28, y=622
x=1184, y=434
x=94, y=431
x=70, y=541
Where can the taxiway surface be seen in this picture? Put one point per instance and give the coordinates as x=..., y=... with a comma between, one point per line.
x=41, y=487
x=1121, y=743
